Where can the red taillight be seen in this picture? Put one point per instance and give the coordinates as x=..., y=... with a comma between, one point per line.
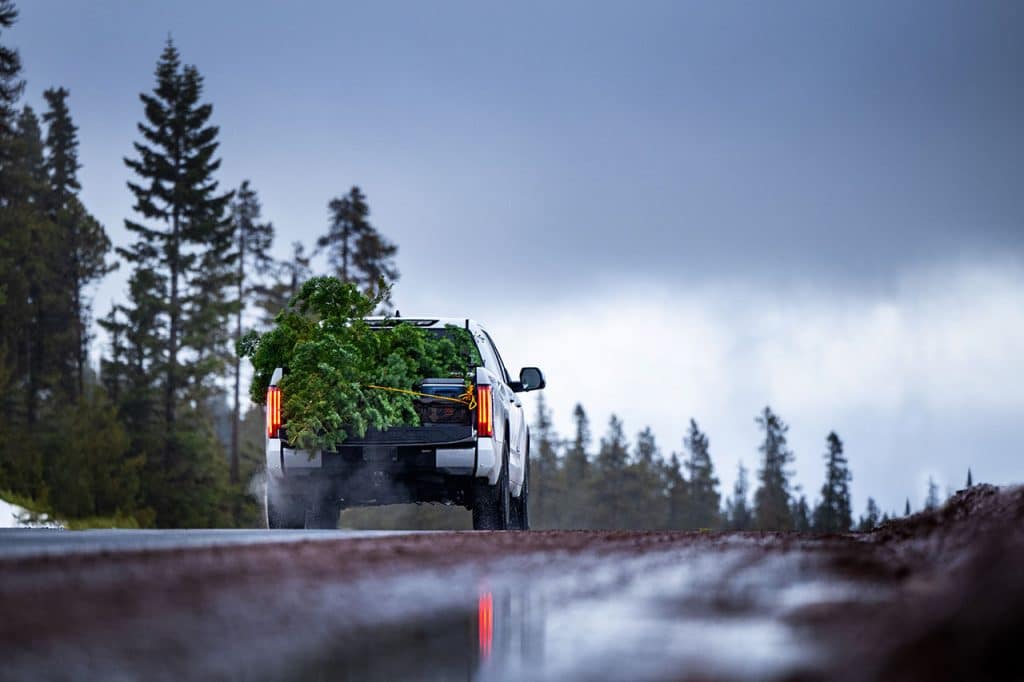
x=273, y=411
x=484, y=413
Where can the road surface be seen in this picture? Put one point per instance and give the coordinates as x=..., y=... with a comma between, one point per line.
x=938, y=596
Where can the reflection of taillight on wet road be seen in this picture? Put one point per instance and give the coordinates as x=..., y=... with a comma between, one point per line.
x=485, y=623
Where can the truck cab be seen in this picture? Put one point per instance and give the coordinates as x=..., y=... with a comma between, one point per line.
x=472, y=451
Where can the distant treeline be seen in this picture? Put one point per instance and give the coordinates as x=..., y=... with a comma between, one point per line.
x=152, y=437
x=632, y=486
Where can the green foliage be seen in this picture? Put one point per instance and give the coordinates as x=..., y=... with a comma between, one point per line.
x=333, y=356
x=547, y=486
x=738, y=513
x=285, y=278
x=356, y=250
x=610, y=505
x=11, y=83
x=704, y=499
x=833, y=514
x=871, y=518
x=772, y=498
x=90, y=468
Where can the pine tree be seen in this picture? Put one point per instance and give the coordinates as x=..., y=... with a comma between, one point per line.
x=704, y=499
x=29, y=238
x=183, y=267
x=737, y=508
x=610, y=507
x=678, y=494
x=286, y=277
x=577, y=472
x=906, y=509
x=177, y=192
x=642, y=485
x=772, y=498
x=545, y=489
x=870, y=520
x=801, y=515
x=970, y=479
x=355, y=249
x=83, y=243
x=932, y=499
x=253, y=240
x=833, y=514
x=11, y=84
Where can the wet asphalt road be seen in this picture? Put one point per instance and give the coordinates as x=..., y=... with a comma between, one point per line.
x=29, y=542
x=935, y=598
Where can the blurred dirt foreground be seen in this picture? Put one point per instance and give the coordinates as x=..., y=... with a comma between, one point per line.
x=935, y=596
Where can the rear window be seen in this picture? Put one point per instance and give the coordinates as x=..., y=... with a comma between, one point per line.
x=457, y=335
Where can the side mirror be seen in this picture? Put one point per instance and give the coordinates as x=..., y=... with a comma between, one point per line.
x=531, y=379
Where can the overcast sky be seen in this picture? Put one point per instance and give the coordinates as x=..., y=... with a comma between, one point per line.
x=675, y=209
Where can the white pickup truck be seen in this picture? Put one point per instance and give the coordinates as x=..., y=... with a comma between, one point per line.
x=475, y=457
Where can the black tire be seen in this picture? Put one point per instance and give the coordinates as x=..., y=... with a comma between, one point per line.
x=283, y=511
x=521, y=505
x=323, y=514
x=491, y=503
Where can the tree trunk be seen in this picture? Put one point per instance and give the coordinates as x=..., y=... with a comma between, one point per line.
x=172, y=346
x=238, y=361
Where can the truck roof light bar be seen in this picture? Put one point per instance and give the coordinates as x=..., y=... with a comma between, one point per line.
x=392, y=322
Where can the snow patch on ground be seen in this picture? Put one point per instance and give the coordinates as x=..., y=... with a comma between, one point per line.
x=13, y=516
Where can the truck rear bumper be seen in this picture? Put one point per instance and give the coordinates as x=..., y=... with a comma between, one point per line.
x=471, y=458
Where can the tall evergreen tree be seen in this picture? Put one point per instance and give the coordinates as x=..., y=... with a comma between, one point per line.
x=833, y=513
x=11, y=83
x=642, y=485
x=678, y=491
x=177, y=193
x=871, y=517
x=183, y=265
x=26, y=282
x=286, y=277
x=704, y=499
x=355, y=249
x=83, y=244
x=577, y=473
x=932, y=499
x=772, y=498
x=610, y=505
x=738, y=510
x=253, y=240
x=970, y=479
x=576, y=459
x=801, y=514
x=906, y=509
x=29, y=237
x=547, y=498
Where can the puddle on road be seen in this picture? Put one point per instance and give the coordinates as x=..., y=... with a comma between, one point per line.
x=717, y=615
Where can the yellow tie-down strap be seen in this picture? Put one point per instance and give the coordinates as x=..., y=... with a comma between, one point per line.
x=468, y=397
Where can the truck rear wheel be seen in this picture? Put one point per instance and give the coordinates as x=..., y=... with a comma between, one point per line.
x=283, y=511
x=323, y=513
x=491, y=502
